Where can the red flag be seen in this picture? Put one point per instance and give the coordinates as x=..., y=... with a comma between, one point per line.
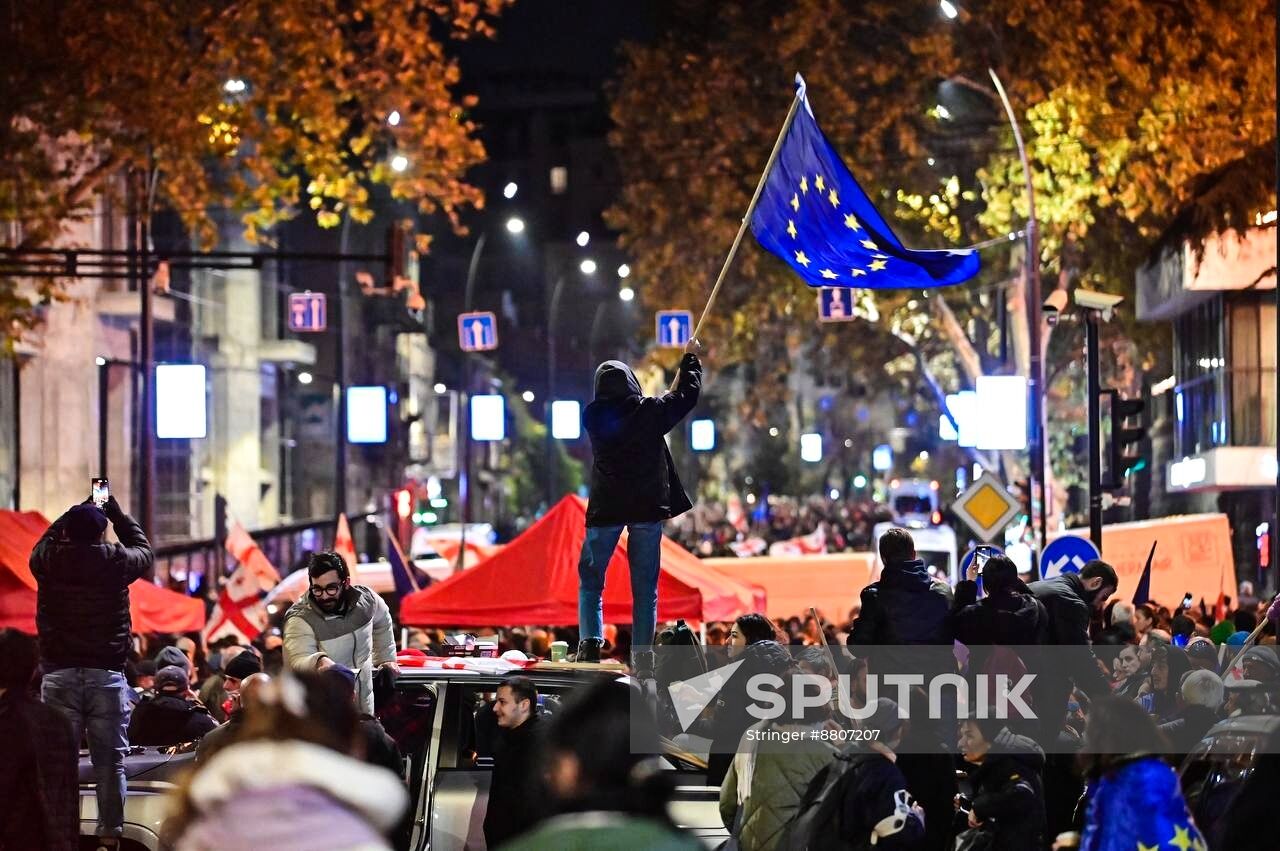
x=1220, y=610
x=343, y=544
x=805, y=545
x=240, y=609
x=246, y=552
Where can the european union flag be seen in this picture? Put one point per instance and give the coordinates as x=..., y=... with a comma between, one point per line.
x=815, y=216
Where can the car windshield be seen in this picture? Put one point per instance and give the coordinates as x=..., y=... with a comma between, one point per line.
x=912, y=505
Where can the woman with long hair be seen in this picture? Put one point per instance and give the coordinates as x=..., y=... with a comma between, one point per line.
x=290, y=780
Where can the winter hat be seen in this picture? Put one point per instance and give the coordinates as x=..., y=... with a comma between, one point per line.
x=1237, y=639
x=145, y=668
x=243, y=665
x=1265, y=655
x=172, y=680
x=1222, y=631
x=1202, y=648
x=342, y=672
x=86, y=522
x=171, y=656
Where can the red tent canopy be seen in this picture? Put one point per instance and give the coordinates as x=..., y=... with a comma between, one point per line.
x=152, y=608
x=534, y=580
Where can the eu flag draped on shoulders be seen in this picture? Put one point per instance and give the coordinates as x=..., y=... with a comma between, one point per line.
x=814, y=215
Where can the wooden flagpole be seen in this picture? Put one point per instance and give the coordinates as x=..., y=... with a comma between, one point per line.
x=746, y=221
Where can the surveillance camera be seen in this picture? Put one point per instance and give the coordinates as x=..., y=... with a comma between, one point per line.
x=1096, y=301
x=1054, y=304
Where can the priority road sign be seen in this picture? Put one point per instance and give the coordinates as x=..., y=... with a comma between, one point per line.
x=1067, y=554
x=477, y=332
x=986, y=507
x=307, y=312
x=835, y=304
x=674, y=328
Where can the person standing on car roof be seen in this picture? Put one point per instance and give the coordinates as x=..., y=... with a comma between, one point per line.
x=338, y=623
x=634, y=485
x=82, y=616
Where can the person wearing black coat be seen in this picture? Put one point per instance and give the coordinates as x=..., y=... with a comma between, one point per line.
x=634, y=485
x=82, y=616
x=730, y=719
x=1070, y=599
x=905, y=613
x=170, y=717
x=515, y=804
x=1008, y=792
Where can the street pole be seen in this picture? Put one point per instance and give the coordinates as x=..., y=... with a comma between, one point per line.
x=551, y=386
x=1035, y=366
x=340, y=368
x=464, y=477
x=1095, y=428
x=146, y=347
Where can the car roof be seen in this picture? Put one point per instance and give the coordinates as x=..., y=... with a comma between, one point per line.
x=1261, y=724
x=541, y=676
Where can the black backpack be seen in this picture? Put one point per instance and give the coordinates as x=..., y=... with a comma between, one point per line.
x=816, y=824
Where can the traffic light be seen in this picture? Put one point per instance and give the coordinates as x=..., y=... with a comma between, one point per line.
x=1128, y=430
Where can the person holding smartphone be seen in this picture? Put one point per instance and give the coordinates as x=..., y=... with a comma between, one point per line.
x=82, y=616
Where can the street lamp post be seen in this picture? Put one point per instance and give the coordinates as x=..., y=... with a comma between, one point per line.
x=553, y=310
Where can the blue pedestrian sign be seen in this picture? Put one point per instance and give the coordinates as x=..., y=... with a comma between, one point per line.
x=835, y=304
x=307, y=312
x=1067, y=554
x=675, y=327
x=477, y=332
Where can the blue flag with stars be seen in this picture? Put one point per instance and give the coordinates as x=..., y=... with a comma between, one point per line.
x=815, y=216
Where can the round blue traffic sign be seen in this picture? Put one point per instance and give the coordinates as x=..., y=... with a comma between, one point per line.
x=1067, y=554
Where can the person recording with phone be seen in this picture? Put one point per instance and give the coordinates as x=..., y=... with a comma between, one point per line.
x=82, y=617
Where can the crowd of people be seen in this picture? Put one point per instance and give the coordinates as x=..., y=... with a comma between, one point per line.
x=288, y=749
x=711, y=526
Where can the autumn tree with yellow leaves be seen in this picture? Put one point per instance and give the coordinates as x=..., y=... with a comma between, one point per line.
x=1142, y=118
x=269, y=108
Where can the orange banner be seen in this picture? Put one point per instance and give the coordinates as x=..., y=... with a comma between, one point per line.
x=833, y=583
x=1194, y=554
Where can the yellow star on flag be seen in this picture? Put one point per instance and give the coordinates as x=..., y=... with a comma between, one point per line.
x=791, y=228
x=802, y=259
x=877, y=265
x=795, y=202
x=857, y=273
x=1142, y=846
x=851, y=222
x=818, y=183
x=869, y=245
x=829, y=275
x=833, y=198
x=804, y=184
x=1181, y=839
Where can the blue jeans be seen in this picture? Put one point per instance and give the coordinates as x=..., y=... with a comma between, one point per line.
x=643, y=547
x=97, y=701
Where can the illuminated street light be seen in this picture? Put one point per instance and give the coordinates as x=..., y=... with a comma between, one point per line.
x=626, y=294
x=510, y=190
x=588, y=266
x=583, y=239
x=304, y=378
x=234, y=86
x=100, y=361
x=515, y=224
x=527, y=395
x=394, y=118
x=440, y=389
x=624, y=270
x=949, y=9
x=399, y=162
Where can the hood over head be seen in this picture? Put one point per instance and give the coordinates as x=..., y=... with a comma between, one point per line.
x=615, y=380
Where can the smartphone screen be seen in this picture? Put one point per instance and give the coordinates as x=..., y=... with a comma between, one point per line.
x=99, y=492
x=1186, y=601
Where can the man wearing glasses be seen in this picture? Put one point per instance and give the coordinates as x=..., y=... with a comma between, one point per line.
x=338, y=623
